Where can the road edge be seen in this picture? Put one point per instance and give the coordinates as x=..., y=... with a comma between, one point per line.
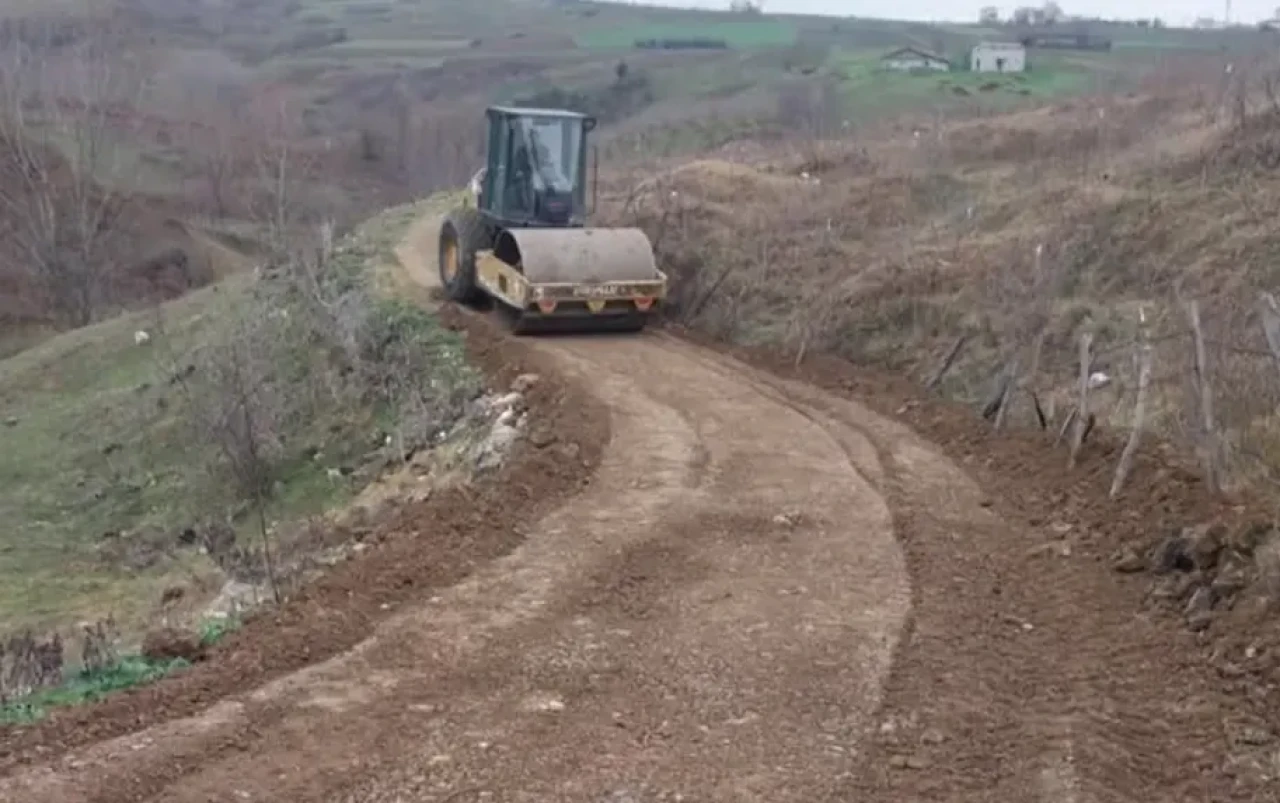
x=480, y=522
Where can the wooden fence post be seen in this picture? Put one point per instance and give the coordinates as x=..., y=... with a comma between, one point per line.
x=1209, y=432
x=947, y=361
x=1007, y=395
x=1082, y=406
x=1271, y=324
x=1142, y=346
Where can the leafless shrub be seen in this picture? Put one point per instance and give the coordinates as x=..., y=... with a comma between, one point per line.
x=98, y=645
x=28, y=663
x=1029, y=295
x=305, y=351
x=239, y=406
x=58, y=112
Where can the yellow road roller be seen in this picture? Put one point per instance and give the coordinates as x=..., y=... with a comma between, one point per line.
x=520, y=235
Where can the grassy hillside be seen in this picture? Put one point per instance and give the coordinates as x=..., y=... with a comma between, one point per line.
x=889, y=250
x=115, y=481
x=347, y=70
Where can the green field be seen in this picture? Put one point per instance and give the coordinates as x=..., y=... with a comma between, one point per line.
x=871, y=90
x=572, y=48
x=89, y=453
x=739, y=34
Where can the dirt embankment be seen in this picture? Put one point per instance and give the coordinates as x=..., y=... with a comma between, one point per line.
x=1165, y=582
x=422, y=546
x=892, y=252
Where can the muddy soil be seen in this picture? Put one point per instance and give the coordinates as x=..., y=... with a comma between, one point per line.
x=705, y=578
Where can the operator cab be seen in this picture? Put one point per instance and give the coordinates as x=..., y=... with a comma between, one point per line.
x=536, y=176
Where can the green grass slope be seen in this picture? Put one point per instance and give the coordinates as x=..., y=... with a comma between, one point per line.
x=106, y=467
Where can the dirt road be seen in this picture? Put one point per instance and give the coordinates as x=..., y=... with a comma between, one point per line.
x=715, y=614
x=722, y=614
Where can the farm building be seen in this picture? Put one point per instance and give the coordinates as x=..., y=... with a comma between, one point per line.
x=998, y=57
x=910, y=59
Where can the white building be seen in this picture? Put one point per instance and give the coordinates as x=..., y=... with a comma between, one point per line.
x=910, y=59
x=998, y=57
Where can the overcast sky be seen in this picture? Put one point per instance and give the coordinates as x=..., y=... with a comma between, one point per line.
x=1172, y=11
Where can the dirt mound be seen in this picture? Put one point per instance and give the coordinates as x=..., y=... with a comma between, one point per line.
x=171, y=644
x=726, y=182
x=418, y=547
x=745, y=244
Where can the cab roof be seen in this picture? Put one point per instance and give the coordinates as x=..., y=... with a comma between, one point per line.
x=529, y=111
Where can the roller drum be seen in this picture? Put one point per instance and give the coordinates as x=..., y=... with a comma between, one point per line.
x=579, y=256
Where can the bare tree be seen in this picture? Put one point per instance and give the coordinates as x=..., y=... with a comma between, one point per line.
x=274, y=174
x=220, y=159
x=808, y=108
x=278, y=174
x=58, y=112
x=235, y=404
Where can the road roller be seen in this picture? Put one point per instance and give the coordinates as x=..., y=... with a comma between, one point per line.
x=519, y=237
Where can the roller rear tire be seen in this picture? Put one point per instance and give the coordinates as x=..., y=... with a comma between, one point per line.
x=462, y=234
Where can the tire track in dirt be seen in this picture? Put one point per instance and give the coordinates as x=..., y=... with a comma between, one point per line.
x=1052, y=778
x=666, y=627
x=1024, y=673
x=681, y=720
x=670, y=633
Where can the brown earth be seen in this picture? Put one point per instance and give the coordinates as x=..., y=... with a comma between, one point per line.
x=1028, y=635
x=720, y=612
